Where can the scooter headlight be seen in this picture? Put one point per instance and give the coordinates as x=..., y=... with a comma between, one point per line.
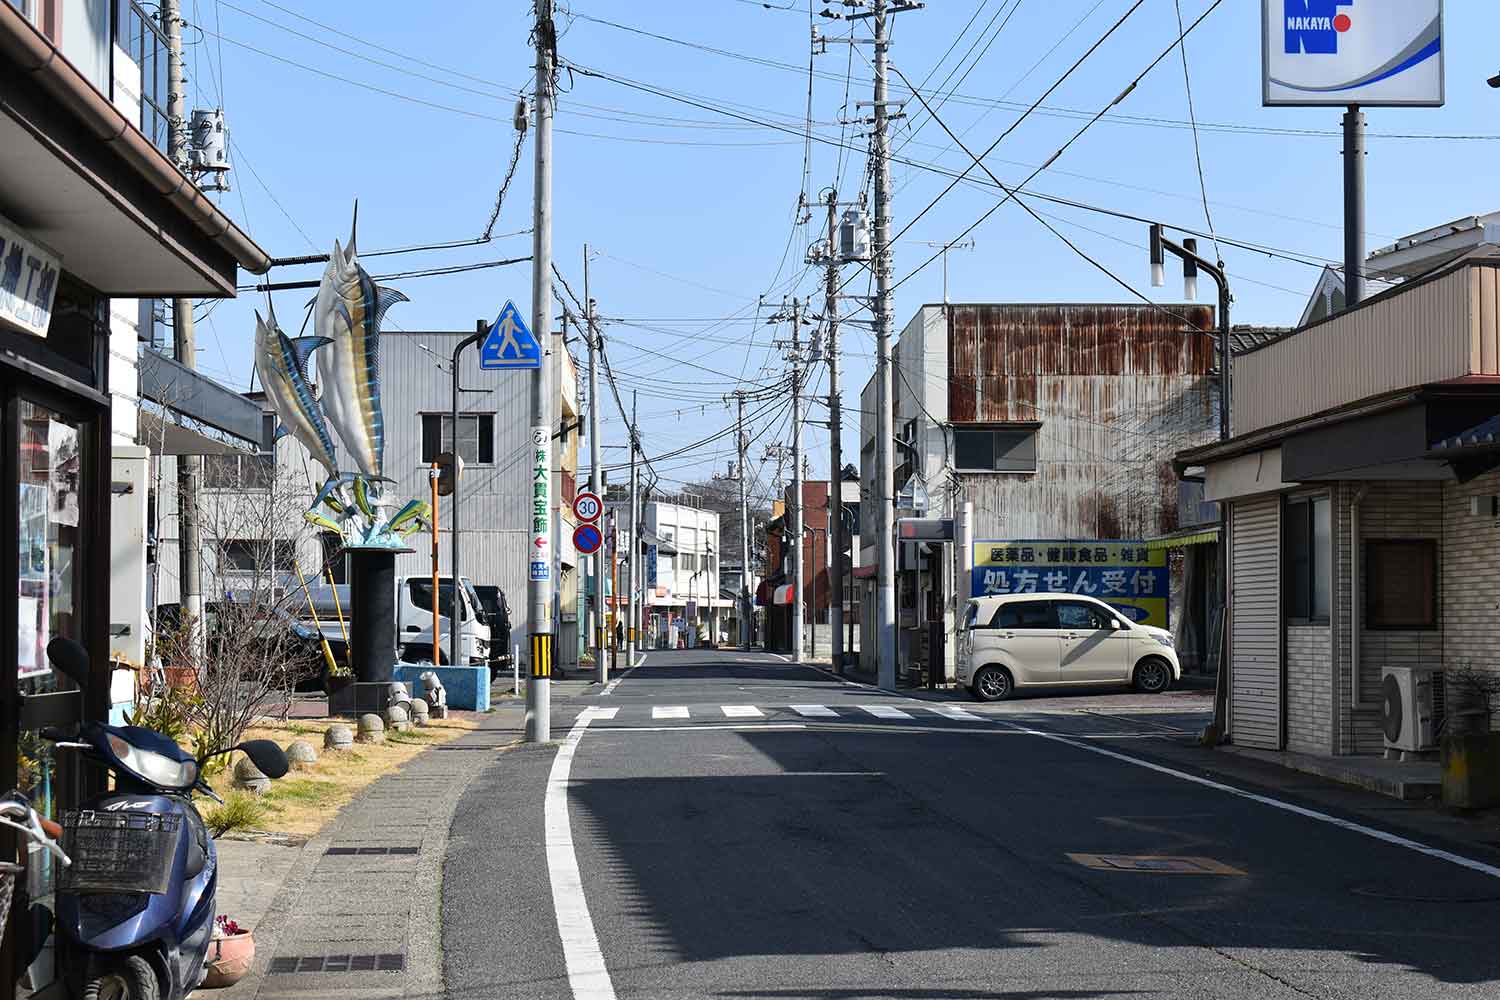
x=157, y=769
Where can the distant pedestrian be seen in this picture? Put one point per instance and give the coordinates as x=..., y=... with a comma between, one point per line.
x=619, y=635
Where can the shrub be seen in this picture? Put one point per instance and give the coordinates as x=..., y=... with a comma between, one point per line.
x=240, y=811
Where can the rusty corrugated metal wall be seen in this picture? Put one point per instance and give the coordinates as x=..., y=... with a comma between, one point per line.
x=1117, y=389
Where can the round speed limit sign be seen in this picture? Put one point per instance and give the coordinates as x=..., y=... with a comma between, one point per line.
x=587, y=506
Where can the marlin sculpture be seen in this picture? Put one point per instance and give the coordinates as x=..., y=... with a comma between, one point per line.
x=347, y=312
x=281, y=363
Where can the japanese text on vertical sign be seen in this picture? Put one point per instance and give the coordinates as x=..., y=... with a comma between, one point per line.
x=541, y=508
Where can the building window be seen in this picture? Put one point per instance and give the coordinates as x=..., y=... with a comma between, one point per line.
x=1308, y=539
x=995, y=449
x=1401, y=584
x=255, y=555
x=476, y=437
x=687, y=561
x=144, y=40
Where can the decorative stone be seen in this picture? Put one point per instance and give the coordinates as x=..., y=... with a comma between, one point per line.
x=371, y=729
x=396, y=694
x=418, y=709
x=397, y=719
x=248, y=777
x=438, y=711
x=432, y=689
x=338, y=737
x=301, y=754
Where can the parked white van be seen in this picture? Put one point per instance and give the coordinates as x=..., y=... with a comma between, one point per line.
x=1016, y=641
x=413, y=619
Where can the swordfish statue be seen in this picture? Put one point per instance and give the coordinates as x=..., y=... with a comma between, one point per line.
x=346, y=343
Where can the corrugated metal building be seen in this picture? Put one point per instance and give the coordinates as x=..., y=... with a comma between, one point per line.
x=494, y=441
x=1056, y=421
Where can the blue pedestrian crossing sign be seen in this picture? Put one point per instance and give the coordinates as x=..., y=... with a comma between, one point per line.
x=509, y=344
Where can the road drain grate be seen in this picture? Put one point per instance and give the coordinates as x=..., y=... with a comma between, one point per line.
x=337, y=963
x=1158, y=864
x=366, y=851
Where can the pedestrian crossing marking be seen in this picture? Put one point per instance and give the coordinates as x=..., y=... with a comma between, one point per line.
x=954, y=712
x=741, y=712
x=815, y=711
x=669, y=712
x=598, y=713
x=885, y=712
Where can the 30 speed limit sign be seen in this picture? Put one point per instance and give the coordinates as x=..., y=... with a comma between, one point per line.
x=587, y=506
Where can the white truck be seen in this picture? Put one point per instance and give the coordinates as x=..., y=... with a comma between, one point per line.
x=413, y=619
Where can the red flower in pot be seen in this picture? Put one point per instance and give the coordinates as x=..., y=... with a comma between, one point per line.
x=230, y=954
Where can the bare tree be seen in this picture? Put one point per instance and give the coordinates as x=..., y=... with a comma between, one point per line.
x=257, y=548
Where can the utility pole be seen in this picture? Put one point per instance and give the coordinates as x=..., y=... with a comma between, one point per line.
x=885, y=423
x=745, y=602
x=633, y=571
x=184, y=341
x=835, y=449
x=794, y=505
x=1354, y=206
x=596, y=482
x=539, y=582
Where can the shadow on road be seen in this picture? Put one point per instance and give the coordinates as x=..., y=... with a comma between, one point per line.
x=933, y=842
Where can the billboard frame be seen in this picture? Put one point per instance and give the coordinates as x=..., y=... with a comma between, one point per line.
x=1348, y=98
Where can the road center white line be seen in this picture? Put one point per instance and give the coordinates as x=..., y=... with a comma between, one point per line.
x=610, y=687
x=587, y=975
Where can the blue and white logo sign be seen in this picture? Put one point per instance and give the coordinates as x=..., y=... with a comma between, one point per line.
x=1339, y=52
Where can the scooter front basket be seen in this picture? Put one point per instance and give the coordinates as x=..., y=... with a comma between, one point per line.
x=119, y=851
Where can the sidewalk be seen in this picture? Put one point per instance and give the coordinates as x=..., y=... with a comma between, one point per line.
x=355, y=910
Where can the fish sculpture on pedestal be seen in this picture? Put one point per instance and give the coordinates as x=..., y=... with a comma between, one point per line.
x=346, y=324
x=347, y=313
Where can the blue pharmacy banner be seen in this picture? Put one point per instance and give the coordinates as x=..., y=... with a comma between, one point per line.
x=1125, y=574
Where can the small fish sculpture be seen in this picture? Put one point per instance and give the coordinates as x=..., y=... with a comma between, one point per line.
x=281, y=363
x=347, y=312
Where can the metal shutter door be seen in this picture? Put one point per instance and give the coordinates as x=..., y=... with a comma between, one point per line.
x=1255, y=581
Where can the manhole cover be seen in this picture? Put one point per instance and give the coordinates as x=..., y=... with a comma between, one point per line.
x=1154, y=863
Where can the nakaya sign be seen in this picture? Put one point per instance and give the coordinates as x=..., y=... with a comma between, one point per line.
x=28, y=282
x=1339, y=52
x=1126, y=574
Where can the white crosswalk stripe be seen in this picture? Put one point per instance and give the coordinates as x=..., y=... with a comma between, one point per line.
x=954, y=712
x=594, y=712
x=669, y=712
x=885, y=712
x=741, y=712
x=815, y=711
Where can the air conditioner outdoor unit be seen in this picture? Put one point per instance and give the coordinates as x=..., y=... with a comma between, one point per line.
x=1411, y=707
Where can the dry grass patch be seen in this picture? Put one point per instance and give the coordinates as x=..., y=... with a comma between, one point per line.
x=303, y=801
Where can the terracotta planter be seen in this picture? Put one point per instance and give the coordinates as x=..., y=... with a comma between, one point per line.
x=229, y=958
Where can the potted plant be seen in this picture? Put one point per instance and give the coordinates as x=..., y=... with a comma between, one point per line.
x=231, y=951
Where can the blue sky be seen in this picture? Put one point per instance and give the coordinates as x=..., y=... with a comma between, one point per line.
x=691, y=213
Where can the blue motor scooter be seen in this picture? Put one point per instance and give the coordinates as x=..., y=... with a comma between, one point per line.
x=135, y=909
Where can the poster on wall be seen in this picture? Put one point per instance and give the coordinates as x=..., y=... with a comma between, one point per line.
x=34, y=582
x=1125, y=574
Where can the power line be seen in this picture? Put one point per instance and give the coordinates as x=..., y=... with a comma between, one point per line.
x=979, y=160
x=1187, y=85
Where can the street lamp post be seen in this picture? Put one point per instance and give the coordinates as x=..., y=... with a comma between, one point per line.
x=1192, y=263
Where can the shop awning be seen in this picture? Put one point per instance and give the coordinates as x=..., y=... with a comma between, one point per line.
x=1182, y=539
x=783, y=594
x=865, y=572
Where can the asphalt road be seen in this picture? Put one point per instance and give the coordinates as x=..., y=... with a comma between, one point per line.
x=744, y=827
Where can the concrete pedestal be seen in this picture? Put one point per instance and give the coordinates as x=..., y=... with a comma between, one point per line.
x=372, y=633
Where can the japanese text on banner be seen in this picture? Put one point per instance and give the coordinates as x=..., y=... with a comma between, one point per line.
x=1125, y=574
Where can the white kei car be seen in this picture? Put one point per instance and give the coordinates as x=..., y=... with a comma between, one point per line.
x=1016, y=641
